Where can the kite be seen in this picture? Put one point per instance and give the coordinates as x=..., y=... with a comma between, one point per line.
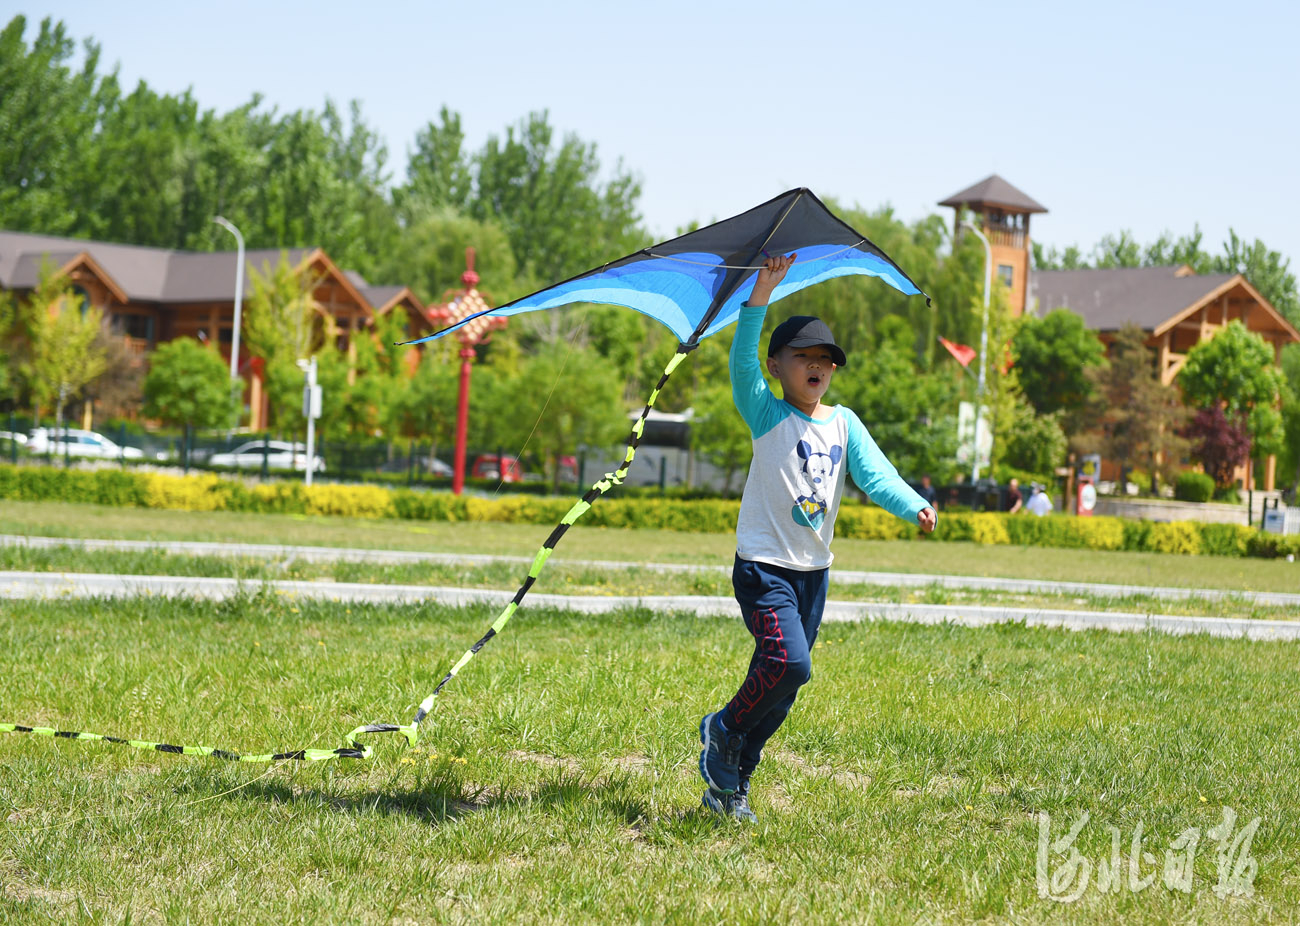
x=695, y=285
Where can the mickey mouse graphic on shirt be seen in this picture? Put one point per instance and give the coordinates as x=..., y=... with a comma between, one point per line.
x=815, y=482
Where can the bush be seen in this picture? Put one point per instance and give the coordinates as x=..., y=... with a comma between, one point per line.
x=1194, y=487
x=207, y=492
x=1175, y=537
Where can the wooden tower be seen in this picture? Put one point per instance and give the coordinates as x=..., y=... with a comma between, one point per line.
x=1003, y=214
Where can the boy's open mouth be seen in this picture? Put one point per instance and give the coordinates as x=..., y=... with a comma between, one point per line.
x=814, y=380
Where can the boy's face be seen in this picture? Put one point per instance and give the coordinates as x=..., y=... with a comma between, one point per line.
x=805, y=373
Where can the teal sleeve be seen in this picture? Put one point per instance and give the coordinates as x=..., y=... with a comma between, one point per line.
x=761, y=410
x=876, y=476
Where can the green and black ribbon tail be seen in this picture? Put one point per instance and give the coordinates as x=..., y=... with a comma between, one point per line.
x=354, y=749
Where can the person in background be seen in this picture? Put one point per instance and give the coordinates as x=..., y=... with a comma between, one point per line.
x=1039, y=503
x=926, y=491
x=1015, y=501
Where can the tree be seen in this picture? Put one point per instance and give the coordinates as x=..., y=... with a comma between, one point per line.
x=1053, y=355
x=425, y=409
x=1136, y=419
x=909, y=414
x=1034, y=442
x=281, y=327
x=1289, y=459
x=1234, y=370
x=63, y=357
x=718, y=432
x=188, y=385
x=573, y=401
x=1219, y=443
x=47, y=112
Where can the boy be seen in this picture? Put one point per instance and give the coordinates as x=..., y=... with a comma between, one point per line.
x=783, y=535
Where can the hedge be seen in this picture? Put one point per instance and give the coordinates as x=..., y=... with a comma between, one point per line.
x=207, y=492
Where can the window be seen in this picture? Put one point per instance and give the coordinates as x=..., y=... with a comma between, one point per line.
x=1006, y=273
x=134, y=326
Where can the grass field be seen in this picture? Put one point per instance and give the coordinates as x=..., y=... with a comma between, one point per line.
x=640, y=546
x=585, y=579
x=556, y=782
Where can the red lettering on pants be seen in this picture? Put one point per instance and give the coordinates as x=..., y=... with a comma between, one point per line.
x=769, y=670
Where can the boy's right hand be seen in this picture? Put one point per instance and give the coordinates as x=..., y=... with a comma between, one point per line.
x=769, y=278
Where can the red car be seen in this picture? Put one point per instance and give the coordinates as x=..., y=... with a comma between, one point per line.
x=490, y=466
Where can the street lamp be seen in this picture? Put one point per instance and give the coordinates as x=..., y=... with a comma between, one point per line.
x=984, y=347
x=239, y=293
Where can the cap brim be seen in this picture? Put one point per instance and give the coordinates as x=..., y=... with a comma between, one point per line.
x=837, y=355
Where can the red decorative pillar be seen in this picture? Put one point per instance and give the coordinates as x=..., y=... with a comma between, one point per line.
x=460, y=305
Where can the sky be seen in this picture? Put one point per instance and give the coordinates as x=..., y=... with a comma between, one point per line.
x=1135, y=115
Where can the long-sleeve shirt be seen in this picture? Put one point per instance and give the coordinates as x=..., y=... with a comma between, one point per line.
x=792, y=493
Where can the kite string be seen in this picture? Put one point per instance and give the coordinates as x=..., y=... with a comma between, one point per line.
x=354, y=749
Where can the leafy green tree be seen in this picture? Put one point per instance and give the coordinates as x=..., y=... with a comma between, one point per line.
x=1289, y=458
x=910, y=414
x=1053, y=355
x=1034, y=441
x=1266, y=269
x=718, y=432
x=438, y=173
x=188, y=384
x=429, y=255
x=425, y=408
x=559, y=401
x=1135, y=419
x=47, y=111
x=282, y=325
x=1234, y=370
x=63, y=358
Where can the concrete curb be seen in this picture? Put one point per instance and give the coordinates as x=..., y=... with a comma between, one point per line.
x=904, y=579
x=48, y=585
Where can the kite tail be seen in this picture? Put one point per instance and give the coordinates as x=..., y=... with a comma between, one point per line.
x=354, y=749
x=411, y=731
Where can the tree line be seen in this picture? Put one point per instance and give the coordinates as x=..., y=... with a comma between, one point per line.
x=83, y=157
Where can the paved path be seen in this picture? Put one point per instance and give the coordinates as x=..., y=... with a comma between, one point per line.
x=335, y=554
x=81, y=585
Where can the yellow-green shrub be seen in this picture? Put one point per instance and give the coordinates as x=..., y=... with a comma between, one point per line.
x=988, y=528
x=350, y=501
x=195, y=493
x=1175, y=537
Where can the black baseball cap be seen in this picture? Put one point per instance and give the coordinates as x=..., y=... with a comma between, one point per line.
x=805, y=331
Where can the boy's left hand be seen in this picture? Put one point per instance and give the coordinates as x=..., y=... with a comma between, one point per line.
x=927, y=519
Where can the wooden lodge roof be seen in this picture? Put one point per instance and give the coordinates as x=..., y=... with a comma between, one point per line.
x=1153, y=298
x=145, y=274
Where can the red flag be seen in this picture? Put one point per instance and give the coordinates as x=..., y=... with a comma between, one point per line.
x=960, y=352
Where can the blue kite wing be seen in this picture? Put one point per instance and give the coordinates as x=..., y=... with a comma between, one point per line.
x=695, y=284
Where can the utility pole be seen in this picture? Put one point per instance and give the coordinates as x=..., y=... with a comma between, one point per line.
x=984, y=348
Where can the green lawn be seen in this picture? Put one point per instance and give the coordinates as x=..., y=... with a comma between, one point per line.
x=639, y=546
x=566, y=578
x=556, y=782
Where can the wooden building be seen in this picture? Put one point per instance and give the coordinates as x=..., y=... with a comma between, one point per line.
x=152, y=295
x=1002, y=213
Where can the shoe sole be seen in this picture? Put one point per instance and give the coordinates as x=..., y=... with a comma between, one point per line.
x=705, y=737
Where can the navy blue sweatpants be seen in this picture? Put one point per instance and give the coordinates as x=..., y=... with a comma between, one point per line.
x=783, y=610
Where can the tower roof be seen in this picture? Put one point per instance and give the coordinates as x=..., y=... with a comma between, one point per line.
x=994, y=191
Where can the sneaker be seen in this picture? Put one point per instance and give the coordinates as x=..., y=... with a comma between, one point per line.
x=731, y=806
x=739, y=809
x=720, y=757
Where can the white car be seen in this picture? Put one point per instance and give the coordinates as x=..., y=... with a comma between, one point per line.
x=75, y=442
x=279, y=455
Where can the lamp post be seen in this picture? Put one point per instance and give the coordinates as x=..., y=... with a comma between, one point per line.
x=984, y=348
x=462, y=304
x=239, y=297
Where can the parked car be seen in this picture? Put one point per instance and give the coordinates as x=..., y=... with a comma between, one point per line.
x=490, y=466
x=278, y=455
x=431, y=466
x=14, y=436
x=75, y=442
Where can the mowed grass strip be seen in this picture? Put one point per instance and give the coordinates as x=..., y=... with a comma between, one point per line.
x=59, y=519
x=556, y=781
x=565, y=578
